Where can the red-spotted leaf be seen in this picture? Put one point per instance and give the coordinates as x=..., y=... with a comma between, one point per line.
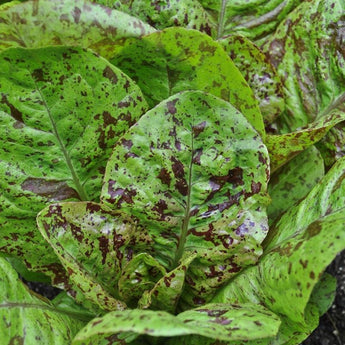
x=61, y=112
x=186, y=13
x=294, y=181
x=176, y=59
x=258, y=73
x=309, y=57
x=194, y=172
x=40, y=23
x=139, y=275
x=298, y=249
x=284, y=147
x=227, y=322
x=166, y=293
x=93, y=245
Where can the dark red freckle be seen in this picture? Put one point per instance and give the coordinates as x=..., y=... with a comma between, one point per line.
x=110, y=74
x=155, y=292
x=171, y=106
x=198, y=301
x=177, y=168
x=126, y=143
x=190, y=281
x=199, y=128
x=193, y=212
x=126, y=85
x=91, y=207
x=226, y=240
x=164, y=176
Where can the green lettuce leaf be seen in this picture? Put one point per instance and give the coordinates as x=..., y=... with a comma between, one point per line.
x=216, y=321
x=298, y=249
x=40, y=23
x=61, y=111
x=258, y=73
x=255, y=19
x=294, y=181
x=332, y=145
x=27, y=318
x=176, y=59
x=284, y=147
x=166, y=13
x=196, y=185
x=309, y=56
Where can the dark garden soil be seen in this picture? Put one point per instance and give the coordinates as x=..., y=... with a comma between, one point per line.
x=331, y=330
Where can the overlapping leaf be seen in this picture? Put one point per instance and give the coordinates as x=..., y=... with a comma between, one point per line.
x=255, y=19
x=61, y=111
x=332, y=145
x=309, y=56
x=163, y=14
x=303, y=243
x=93, y=245
x=28, y=319
x=194, y=172
x=258, y=73
x=294, y=181
x=176, y=59
x=40, y=23
x=284, y=147
x=214, y=321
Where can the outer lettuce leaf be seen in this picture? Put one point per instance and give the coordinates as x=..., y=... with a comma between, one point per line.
x=196, y=184
x=93, y=245
x=326, y=198
x=26, y=318
x=163, y=14
x=304, y=242
x=40, y=23
x=309, y=56
x=255, y=19
x=294, y=181
x=284, y=147
x=176, y=59
x=216, y=321
x=258, y=73
x=332, y=145
x=61, y=111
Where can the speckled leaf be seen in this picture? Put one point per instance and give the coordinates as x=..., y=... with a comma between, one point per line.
x=255, y=19
x=324, y=199
x=196, y=184
x=176, y=59
x=93, y=244
x=304, y=242
x=139, y=275
x=258, y=73
x=27, y=318
x=216, y=321
x=166, y=293
x=284, y=147
x=61, y=111
x=165, y=13
x=308, y=52
x=122, y=327
x=294, y=181
x=332, y=145
x=40, y=23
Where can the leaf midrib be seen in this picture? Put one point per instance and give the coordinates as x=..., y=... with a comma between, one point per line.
x=185, y=223
x=80, y=190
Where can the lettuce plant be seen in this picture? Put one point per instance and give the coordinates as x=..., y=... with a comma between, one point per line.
x=175, y=167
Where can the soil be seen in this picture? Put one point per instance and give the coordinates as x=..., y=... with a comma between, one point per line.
x=331, y=330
